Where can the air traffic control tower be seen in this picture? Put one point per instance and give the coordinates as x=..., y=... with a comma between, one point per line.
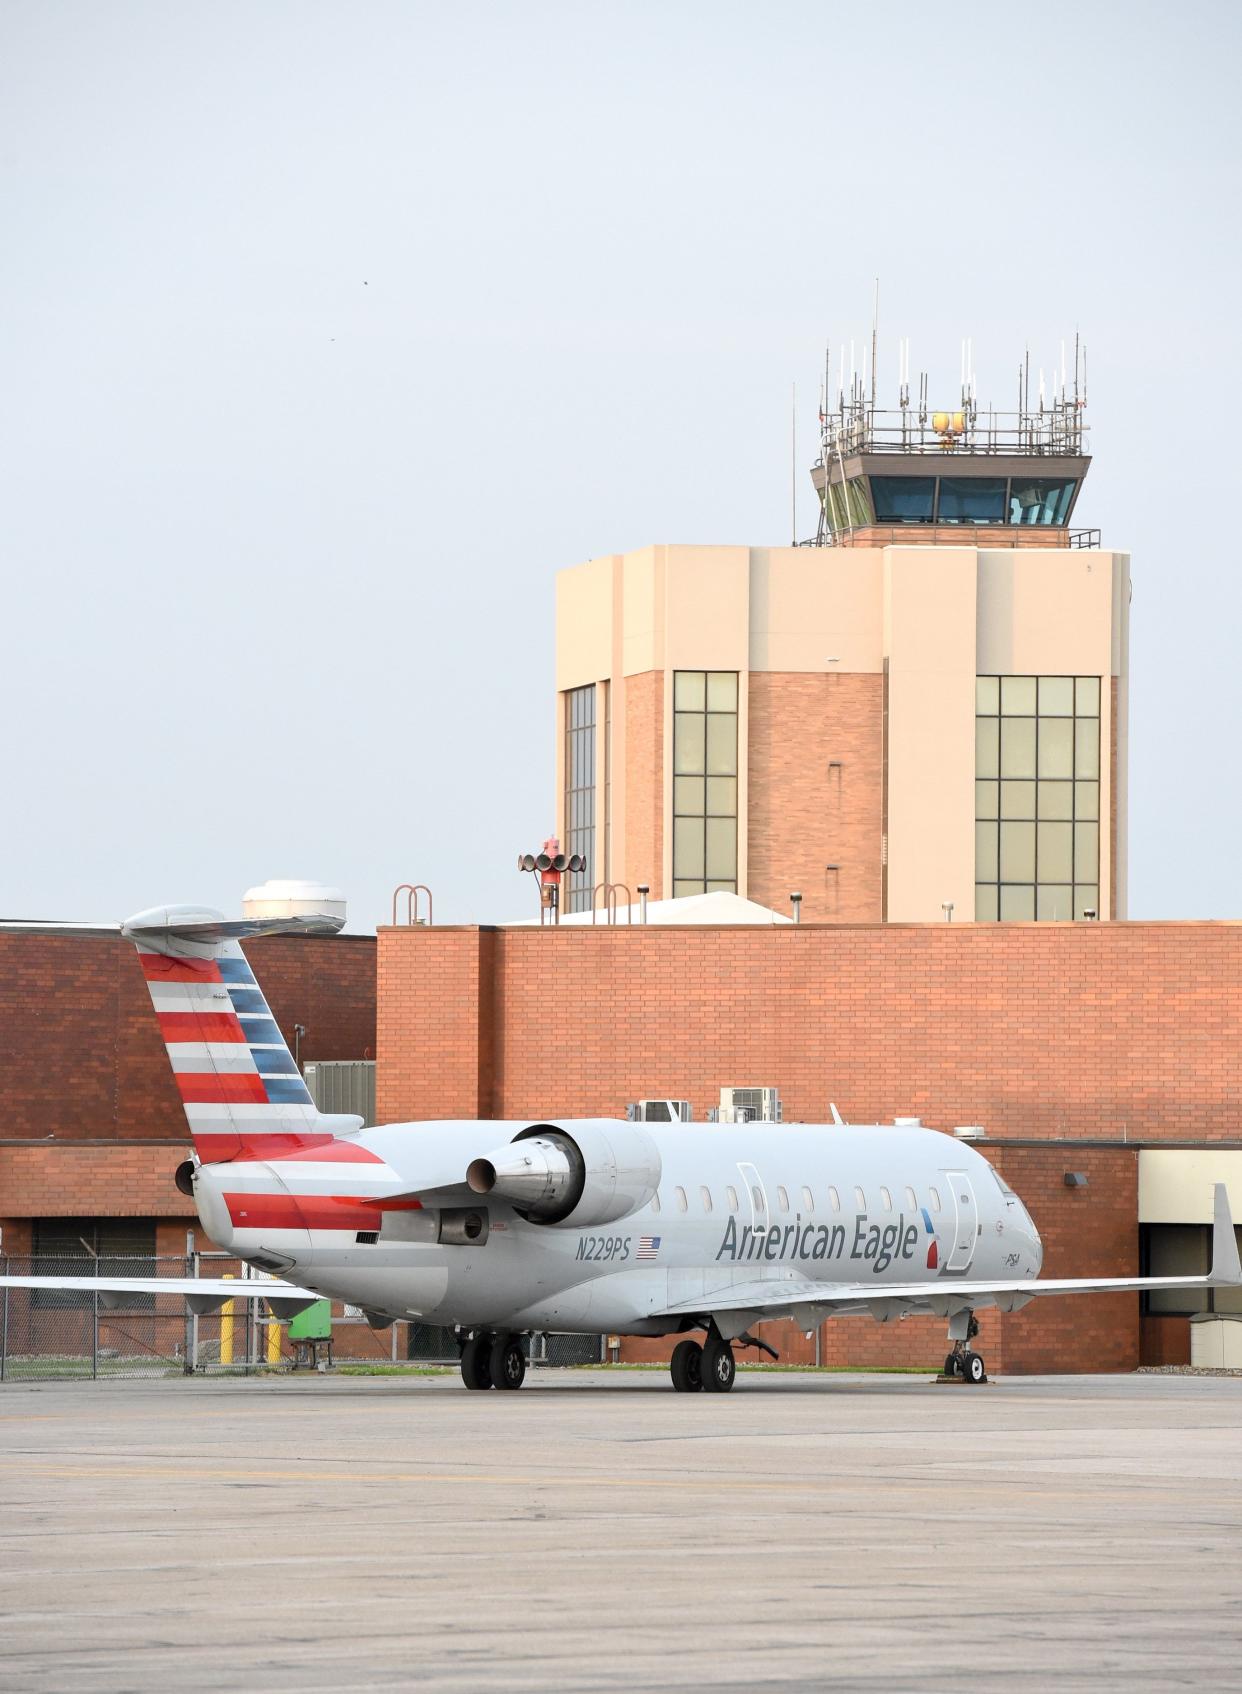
x=920, y=714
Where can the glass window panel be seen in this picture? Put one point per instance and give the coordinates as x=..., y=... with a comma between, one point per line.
x=731, y=1196
x=834, y=1199
x=1055, y=846
x=1056, y=747
x=1056, y=696
x=987, y=862
x=934, y=1194
x=688, y=796
x=859, y=499
x=987, y=747
x=1034, y=500
x=987, y=799
x=860, y=1199
x=721, y=888
x=1018, y=696
x=683, y=887
x=679, y=1194
x=721, y=849
x=911, y=1202
x=689, y=743
x=1056, y=799
x=705, y=1195
x=1087, y=747
x=987, y=696
x=1086, y=899
x=903, y=499
x=722, y=691
x=1087, y=696
x=722, y=796
x=1017, y=853
x=688, y=847
x=1017, y=799
x=971, y=499
x=757, y=1197
x=1017, y=747
x=721, y=744
x=690, y=691
x=808, y=1200
x=1086, y=852
x=985, y=902
x=782, y=1197
x=886, y=1199
x=1087, y=799
x=838, y=506
x=1053, y=904
x=1017, y=905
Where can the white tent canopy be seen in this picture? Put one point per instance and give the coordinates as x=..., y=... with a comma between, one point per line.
x=716, y=908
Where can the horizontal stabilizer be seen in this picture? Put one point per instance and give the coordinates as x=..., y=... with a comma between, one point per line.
x=204, y=1293
x=189, y=929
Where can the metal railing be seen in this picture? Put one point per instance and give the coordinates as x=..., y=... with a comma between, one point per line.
x=49, y=1334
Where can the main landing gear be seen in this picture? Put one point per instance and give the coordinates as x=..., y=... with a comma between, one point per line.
x=710, y=1367
x=963, y=1361
x=493, y=1360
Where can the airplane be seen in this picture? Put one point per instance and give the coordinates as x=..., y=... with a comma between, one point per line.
x=582, y=1225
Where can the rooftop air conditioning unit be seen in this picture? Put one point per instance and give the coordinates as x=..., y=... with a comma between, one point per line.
x=659, y=1111
x=763, y=1105
x=971, y=1132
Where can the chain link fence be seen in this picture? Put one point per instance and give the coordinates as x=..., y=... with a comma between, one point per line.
x=51, y=1334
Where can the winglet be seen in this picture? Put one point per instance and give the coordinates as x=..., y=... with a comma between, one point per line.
x=1226, y=1271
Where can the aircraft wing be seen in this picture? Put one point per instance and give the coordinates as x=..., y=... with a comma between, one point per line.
x=790, y=1294
x=204, y=1293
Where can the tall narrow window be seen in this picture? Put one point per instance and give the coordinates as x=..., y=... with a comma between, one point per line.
x=1037, y=797
x=704, y=782
x=580, y=794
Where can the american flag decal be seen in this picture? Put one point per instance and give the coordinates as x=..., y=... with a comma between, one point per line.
x=648, y=1246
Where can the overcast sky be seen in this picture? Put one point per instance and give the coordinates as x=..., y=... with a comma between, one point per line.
x=329, y=332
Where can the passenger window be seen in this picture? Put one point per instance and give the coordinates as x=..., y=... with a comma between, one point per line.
x=731, y=1197
x=679, y=1194
x=782, y=1197
x=756, y=1195
x=834, y=1199
x=655, y=1201
x=860, y=1199
x=935, y=1199
x=911, y=1201
x=886, y=1199
x=808, y=1200
x=707, y=1198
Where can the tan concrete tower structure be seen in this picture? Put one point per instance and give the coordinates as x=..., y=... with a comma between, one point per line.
x=922, y=714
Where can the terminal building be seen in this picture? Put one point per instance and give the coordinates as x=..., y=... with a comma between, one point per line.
x=918, y=724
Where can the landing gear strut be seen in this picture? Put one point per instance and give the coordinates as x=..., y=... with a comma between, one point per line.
x=493, y=1360
x=962, y=1360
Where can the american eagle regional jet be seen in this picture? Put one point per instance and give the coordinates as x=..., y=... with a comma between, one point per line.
x=583, y=1225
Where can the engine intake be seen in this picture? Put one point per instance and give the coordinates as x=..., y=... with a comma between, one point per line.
x=580, y=1175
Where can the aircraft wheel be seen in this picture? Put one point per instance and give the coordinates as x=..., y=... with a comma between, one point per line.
x=952, y=1367
x=475, y=1362
x=687, y=1367
x=719, y=1367
x=507, y=1362
x=974, y=1368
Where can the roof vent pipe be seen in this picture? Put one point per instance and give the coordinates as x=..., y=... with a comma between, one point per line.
x=644, y=888
x=795, y=901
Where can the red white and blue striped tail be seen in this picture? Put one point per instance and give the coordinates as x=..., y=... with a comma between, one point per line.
x=242, y=1092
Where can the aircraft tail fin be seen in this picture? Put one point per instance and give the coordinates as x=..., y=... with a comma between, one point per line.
x=242, y=1092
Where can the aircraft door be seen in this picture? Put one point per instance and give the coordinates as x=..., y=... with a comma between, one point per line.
x=754, y=1196
x=966, y=1232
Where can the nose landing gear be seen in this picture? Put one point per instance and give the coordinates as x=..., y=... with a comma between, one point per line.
x=963, y=1361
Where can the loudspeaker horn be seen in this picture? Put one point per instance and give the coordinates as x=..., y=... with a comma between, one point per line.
x=543, y=862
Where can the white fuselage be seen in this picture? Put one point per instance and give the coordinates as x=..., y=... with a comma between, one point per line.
x=872, y=1206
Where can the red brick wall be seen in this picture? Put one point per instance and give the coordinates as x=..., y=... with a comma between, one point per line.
x=644, y=781
x=1109, y=1031
x=83, y=1057
x=816, y=774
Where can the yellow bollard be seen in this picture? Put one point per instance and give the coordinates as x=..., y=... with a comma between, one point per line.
x=273, y=1341
x=226, y=1327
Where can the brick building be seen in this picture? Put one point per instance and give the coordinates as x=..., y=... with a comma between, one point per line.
x=1104, y=1051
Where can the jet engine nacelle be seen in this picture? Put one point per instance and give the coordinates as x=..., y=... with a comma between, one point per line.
x=580, y=1175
